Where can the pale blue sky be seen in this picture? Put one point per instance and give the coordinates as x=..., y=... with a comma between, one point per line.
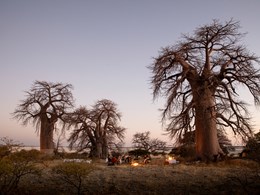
x=102, y=48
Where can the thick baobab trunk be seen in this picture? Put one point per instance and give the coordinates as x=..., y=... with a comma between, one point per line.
x=206, y=140
x=104, y=148
x=46, y=136
x=96, y=150
x=99, y=149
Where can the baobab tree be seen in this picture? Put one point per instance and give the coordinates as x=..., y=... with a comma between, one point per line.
x=97, y=129
x=199, y=76
x=44, y=105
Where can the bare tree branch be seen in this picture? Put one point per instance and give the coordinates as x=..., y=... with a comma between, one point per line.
x=210, y=64
x=44, y=105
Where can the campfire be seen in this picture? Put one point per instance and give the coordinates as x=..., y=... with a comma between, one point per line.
x=135, y=164
x=171, y=160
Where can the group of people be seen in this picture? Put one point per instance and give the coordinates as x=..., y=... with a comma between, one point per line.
x=113, y=160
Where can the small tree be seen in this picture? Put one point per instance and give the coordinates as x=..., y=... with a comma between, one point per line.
x=141, y=140
x=44, y=105
x=7, y=146
x=14, y=167
x=72, y=174
x=144, y=142
x=199, y=76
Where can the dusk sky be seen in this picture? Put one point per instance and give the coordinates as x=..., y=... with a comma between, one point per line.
x=103, y=48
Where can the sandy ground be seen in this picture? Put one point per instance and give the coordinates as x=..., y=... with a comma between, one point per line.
x=234, y=177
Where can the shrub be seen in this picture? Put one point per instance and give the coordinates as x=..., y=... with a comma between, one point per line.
x=12, y=169
x=74, y=155
x=138, y=152
x=252, y=149
x=4, y=151
x=186, y=152
x=7, y=146
x=73, y=174
x=27, y=155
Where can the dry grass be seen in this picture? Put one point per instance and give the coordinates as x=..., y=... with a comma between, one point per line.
x=229, y=177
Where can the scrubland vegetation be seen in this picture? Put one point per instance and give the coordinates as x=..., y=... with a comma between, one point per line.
x=32, y=172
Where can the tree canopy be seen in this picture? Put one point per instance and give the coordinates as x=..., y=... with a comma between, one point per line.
x=97, y=128
x=199, y=76
x=144, y=142
x=44, y=105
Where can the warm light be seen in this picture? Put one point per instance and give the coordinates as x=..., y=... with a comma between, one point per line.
x=170, y=158
x=135, y=164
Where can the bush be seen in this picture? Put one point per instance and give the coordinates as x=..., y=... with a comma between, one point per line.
x=73, y=174
x=186, y=152
x=7, y=146
x=27, y=155
x=252, y=150
x=74, y=155
x=139, y=152
x=4, y=151
x=13, y=168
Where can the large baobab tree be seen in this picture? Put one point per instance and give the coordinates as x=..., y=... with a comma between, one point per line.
x=97, y=128
x=199, y=76
x=44, y=105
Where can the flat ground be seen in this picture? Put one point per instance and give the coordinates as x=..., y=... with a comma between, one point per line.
x=230, y=177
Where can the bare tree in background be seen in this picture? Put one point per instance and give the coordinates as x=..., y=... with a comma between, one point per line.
x=44, y=105
x=97, y=128
x=199, y=76
x=143, y=141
